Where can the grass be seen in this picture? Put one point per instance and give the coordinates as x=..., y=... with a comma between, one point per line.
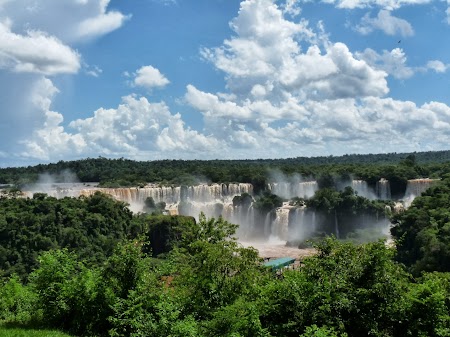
x=6, y=331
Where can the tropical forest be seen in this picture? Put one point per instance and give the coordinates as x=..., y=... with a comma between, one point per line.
x=114, y=247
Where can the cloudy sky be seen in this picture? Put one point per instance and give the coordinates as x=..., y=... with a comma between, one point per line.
x=206, y=79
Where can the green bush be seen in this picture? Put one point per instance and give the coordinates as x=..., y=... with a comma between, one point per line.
x=323, y=331
x=18, y=303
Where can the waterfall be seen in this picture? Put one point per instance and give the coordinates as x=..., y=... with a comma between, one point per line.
x=244, y=217
x=416, y=187
x=251, y=217
x=287, y=190
x=383, y=189
x=199, y=193
x=280, y=189
x=362, y=188
x=299, y=229
x=138, y=195
x=314, y=223
x=305, y=189
x=246, y=220
x=236, y=189
x=281, y=223
x=336, y=225
x=267, y=225
x=299, y=219
x=213, y=200
x=229, y=212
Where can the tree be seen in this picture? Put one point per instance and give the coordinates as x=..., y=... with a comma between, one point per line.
x=18, y=302
x=162, y=233
x=429, y=307
x=268, y=202
x=52, y=283
x=315, y=331
x=215, y=268
x=204, y=278
x=422, y=232
x=354, y=289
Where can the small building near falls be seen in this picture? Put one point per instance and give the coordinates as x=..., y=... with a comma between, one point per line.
x=280, y=263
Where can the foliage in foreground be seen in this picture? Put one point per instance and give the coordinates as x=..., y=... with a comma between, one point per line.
x=91, y=226
x=6, y=331
x=209, y=285
x=422, y=232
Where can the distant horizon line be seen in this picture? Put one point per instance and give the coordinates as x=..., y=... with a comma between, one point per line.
x=236, y=160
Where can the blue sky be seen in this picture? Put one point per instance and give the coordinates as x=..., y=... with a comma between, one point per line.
x=207, y=79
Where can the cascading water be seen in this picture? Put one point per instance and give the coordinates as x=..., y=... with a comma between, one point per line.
x=287, y=190
x=286, y=223
x=416, y=187
x=280, y=225
x=245, y=217
x=362, y=188
x=383, y=189
x=302, y=223
x=267, y=225
x=199, y=193
x=314, y=223
x=213, y=200
x=336, y=225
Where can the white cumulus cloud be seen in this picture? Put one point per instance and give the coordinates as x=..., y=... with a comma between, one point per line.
x=68, y=20
x=393, y=62
x=385, y=22
x=265, y=58
x=291, y=7
x=292, y=91
x=35, y=52
x=438, y=66
x=448, y=12
x=48, y=139
x=387, y=4
x=137, y=129
x=149, y=78
x=101, y=24
x=37, y=41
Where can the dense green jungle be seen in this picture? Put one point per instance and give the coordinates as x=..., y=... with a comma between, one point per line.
x=88, y=266
x=396, y=167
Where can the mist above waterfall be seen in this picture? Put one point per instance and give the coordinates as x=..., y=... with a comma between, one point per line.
x=292, y=222
x=361, y=187
x=64, y=183
x=415, y=188
x=63, y=177
x=290, y=186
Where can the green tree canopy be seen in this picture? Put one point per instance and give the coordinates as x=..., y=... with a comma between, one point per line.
x=422, y=232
